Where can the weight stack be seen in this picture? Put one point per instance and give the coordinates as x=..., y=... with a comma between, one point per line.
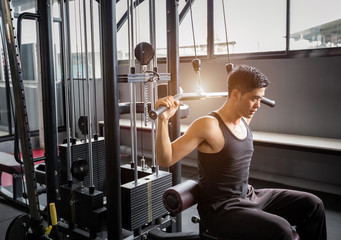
x=142, y=203
x=80, y=150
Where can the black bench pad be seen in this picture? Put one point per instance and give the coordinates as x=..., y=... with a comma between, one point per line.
x=8, y=164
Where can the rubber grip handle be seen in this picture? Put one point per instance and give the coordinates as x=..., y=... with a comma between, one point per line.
x=153, y=114
x=53, y=214
x=267, y=101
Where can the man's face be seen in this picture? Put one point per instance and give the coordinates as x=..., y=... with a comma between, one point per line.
x=249, y=102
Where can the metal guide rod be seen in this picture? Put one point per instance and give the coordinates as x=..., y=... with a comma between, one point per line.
x=77, y=59
x=21, y=112
x=153, y=95
x=131, y=123
x=135, y=134
x=82, y=58
x=93, y=63
x=132, y=86
x=132, y=43
x=66, y=86
x=133, y=128
x=129, y=45
x=152, y=30
x=154, y=129
x=91, y=170
x=153, y=114
x=71, y=92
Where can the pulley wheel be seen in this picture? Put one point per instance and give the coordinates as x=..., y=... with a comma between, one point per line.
x=144, y=52
x=18, y=228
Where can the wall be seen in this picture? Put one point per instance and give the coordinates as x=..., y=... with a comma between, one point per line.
x=306, y=91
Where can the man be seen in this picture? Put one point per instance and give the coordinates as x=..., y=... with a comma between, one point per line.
x=228, y=206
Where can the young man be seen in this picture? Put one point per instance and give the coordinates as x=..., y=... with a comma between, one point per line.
x=228, y=206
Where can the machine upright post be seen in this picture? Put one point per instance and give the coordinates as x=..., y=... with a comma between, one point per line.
x=111, y=118
x=173, y=68
x=49, y=99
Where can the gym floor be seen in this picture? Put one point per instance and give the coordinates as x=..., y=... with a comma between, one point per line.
x=332, y=203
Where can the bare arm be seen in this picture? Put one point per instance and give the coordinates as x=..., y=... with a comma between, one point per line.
x=167, y=152
x=163, y=144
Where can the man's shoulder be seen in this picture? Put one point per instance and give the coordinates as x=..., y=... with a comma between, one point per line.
x=207, y=119
x=205, y=123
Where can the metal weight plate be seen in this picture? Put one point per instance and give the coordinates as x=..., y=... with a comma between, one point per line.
x=18, y=228
x=83, y=124
x=80, y=169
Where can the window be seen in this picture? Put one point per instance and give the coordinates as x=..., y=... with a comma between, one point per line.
x=142, y=31
x=314, y=24
x=141, y=27
x=122, y=34
x=29, y=59
x=6, y=122
x=28, y=55
x=161, y=28
x=199, y=12
x=252, y=26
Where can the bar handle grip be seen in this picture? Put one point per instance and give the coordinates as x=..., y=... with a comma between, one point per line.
x=267, y=101
x=154, y=113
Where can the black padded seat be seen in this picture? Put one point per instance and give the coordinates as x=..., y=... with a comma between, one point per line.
x=184, y=195
x=8, y=164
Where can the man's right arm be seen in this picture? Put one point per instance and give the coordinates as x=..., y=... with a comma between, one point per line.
x=163, y=144
x=167, y=152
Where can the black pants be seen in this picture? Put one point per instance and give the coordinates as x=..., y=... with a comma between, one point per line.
x=268, y=214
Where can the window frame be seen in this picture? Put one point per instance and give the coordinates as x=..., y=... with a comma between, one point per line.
x=34, y=133
x=285, y=53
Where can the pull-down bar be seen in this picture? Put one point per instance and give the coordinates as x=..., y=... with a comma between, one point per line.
x=200, y=96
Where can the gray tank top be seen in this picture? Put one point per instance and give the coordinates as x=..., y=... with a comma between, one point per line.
x=224, y=175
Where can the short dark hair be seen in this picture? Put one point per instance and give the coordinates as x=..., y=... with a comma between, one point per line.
x=245, y=79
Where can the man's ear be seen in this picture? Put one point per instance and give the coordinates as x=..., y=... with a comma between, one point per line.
x=235, y=94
